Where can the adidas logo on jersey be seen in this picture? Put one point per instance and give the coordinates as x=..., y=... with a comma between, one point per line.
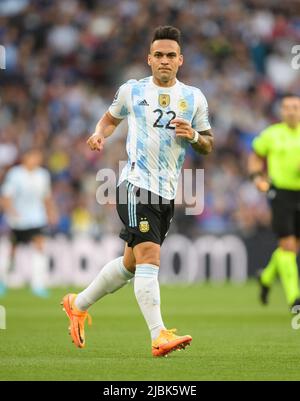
x=143, y=103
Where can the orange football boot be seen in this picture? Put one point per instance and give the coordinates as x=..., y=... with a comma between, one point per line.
x=77, y=319
x=168, y=341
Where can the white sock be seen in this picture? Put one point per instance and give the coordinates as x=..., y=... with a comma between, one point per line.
x=6, y=264
x=113, y=276
x=146, y=289
x=4, y=269
x=39, y=263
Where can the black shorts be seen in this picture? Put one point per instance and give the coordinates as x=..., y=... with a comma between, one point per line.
x=285, y=205
x=26, y=236
x=146, y=216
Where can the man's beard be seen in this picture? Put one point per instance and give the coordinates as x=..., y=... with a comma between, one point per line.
x=165, y=78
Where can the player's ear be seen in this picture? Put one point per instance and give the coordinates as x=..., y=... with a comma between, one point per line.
x=149, y=59
x=180, y=60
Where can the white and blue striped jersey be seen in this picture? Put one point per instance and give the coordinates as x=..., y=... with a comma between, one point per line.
x=27, y=191
x=155, y=155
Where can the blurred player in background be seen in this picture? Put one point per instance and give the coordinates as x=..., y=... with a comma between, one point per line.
x=279, y=146
x=156, y=146
x=29, y=208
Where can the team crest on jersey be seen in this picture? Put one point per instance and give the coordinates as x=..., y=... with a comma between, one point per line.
x=164, y=100
x=183, y=106
x=144, y=226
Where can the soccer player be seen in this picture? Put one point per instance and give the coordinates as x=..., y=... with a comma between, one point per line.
x=279, y=146
x=165, y=116
x=29, y=208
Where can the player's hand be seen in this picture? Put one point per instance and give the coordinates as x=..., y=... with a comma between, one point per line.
x=262, y=184
x=183, y=128
x=96, y=142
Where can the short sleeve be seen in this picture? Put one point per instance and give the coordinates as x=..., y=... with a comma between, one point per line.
x=200, y=121
x=9, y=186
x=119, y=107
x=261, y=144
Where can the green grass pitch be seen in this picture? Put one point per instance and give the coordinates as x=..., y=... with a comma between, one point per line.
x=234, y=338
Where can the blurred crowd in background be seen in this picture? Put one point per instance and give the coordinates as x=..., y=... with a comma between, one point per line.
x=65, y=59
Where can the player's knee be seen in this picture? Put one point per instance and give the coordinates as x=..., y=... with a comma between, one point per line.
x=150, y=261
x=129, y=259
x=149, y=258
x=147, y=252
x=288, y=244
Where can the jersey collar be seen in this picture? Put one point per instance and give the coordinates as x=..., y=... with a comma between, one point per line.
x=164, y=87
